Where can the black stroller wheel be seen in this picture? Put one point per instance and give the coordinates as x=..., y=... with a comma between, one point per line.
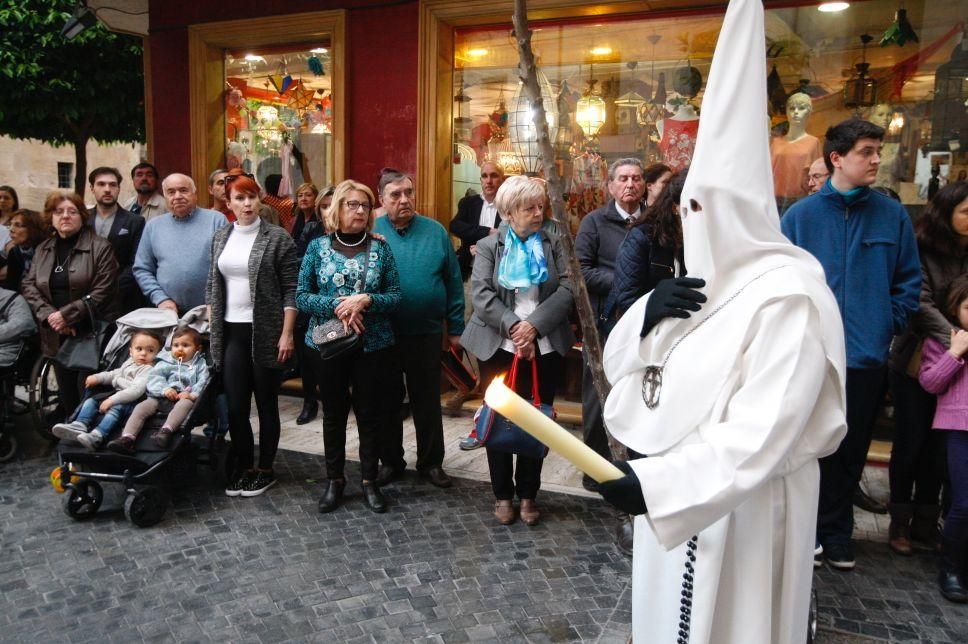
x=83, y=499
x=146, y=507
x=44, y=398
x=8, y=446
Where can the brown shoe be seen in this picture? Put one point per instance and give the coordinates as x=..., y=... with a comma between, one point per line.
x=529, y=512
x=504, y=512
x=899, y=531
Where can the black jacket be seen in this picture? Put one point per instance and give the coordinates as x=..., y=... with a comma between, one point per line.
x=599, y=236
x=124, y=237
x=639, y=267
x=466, y=226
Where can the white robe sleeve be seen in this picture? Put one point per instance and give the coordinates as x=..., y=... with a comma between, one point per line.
x=714, y=470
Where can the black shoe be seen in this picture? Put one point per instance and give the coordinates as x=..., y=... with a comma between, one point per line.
x=437, y=476
x=332, y=495
x=309, y=411
x=236, y=484
x=122, y=445
x=839, y=556
x=162, y=437
x=388, y=474
x=258, y=483
x=866, y=502
x=624, y=534
x=374, y=498
x=818, y=555
x=950, y=573
x=589, y=483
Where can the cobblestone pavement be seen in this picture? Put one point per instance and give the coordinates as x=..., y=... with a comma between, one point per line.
x=435, y=568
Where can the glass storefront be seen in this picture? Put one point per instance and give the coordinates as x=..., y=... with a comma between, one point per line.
x=632, y=86
x=279, y=115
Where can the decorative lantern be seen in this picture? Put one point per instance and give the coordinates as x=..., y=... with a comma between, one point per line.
x=521, y=131
x=590, y=113
x=462, y=118
x=861, y=89
x=652, y=111
x=630, y=99
x=949, y=108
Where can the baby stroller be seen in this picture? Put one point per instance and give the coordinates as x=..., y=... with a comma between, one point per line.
x=149, y=475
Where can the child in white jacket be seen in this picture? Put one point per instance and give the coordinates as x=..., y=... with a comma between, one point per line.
x=129, y=382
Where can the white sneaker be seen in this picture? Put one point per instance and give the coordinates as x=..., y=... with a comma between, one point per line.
x=91, y=440
x=68, y=432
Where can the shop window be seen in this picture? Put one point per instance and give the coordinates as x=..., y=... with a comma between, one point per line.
x=279, y=118
x=633, y=86
x=65, y=175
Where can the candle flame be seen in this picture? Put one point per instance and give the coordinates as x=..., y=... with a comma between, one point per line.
x=497, y=394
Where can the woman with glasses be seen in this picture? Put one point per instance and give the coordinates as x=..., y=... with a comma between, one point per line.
x=350, y=276
x=26, y=233
x=72, y=266
x=252, y=293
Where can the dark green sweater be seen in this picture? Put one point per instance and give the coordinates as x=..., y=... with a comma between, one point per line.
x=429, y=277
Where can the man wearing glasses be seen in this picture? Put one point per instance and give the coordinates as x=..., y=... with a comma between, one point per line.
x=433, y=302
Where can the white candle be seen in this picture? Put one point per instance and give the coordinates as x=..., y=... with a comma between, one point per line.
x=529, y=418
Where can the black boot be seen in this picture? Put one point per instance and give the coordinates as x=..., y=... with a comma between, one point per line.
x=624, y=534
x=332, y=495
x=374, y=498
x=309, y=410
x=950, y=580
x=925, y=535
x=899, y=532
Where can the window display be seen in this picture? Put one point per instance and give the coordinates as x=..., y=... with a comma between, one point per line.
x=632, y=86
x=278, y=117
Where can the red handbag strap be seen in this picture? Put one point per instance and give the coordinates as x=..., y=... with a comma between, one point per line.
x=513, y=377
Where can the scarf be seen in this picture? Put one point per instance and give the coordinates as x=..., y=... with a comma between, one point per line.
x=523, y=264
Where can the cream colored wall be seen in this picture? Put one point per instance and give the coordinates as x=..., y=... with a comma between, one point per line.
x=31, y=167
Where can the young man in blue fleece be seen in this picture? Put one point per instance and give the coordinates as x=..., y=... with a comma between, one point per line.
x=432, y=304
x=865, y=242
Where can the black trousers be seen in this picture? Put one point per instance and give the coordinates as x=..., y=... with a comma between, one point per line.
x=358, y=380
x=525, y=479
x=918, y=453
x=241, y=378
x=70, y=386
x=841, y=471
x=416, y=359
x=309, y=365
x=593, y=424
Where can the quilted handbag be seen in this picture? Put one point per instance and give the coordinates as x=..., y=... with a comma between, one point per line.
x=331, y=338
x=500, y=434
x=82, y=352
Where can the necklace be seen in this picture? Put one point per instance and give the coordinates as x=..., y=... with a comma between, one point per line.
x=652, y=378
x=336, y=234
x=59, y=268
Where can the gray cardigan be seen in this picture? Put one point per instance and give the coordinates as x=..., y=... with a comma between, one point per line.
x=494, y=315
x=273, y=272
x=16, y=325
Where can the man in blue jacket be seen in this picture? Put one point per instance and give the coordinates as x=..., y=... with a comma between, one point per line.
x=865, y=242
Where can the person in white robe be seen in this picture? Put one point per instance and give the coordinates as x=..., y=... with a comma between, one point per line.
x=733, y=405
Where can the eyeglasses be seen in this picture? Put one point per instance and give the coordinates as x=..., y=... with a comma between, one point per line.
x=69, y=212
x=229, y=178
x=353, y=206
x=818, y=177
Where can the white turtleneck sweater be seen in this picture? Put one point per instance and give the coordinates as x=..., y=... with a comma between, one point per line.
x=233, y=264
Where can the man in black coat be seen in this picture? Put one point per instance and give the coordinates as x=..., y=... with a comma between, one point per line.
x=477, y=217
x=121, y=228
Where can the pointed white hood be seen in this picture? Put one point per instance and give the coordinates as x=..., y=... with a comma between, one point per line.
x=731, y=238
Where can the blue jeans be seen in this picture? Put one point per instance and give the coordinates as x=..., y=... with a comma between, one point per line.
x=115, y=417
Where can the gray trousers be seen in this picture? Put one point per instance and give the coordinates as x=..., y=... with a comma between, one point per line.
x=147, y=408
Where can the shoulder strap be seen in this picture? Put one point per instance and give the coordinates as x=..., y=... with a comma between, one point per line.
x=366, y=264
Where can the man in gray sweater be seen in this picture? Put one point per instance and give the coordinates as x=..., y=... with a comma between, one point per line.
x=175, y=252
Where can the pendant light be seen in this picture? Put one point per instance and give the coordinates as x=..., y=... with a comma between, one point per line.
x=521, y=131
x=861, y=89
x=652, y=111
x=900, y=31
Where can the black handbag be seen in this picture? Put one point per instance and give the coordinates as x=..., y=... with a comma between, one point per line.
x=500, y=434
x=82, y=352
x=332, y=338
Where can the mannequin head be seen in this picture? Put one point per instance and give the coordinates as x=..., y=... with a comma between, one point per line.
x=798, y=108
x=880, y=115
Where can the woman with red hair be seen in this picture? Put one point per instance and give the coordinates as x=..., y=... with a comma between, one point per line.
x=252, y=327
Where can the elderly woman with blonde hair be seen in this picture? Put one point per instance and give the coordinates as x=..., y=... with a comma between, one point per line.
x=349, y=275
x=521, y=292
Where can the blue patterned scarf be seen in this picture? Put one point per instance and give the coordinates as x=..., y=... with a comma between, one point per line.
x=523, y=264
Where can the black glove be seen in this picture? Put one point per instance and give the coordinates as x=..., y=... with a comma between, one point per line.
x=624, y=493
x=672, y=298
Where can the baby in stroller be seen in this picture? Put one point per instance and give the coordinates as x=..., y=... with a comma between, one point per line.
x=128, y=381
x=180, y=375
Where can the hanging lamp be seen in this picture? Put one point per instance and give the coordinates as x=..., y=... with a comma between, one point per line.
x=521, y=130
x=650, y=112
x=861, y=89
x=900, y=31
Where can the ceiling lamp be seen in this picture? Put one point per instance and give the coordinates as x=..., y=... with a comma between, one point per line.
x=861, y=89
x=462, y=117
x=590, y=111
x=81, y=20
x=650, y=112
x=521, y=130
x=833, y=7
x=630, y=99
x=949, y=107
x=900, y=30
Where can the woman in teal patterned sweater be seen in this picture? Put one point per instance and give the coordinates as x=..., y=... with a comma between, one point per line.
x=331, y=286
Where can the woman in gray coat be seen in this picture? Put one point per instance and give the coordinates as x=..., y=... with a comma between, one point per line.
x=521, y=293
x=252, y=293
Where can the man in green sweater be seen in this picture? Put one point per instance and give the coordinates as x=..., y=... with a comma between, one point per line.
x=433, y=303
